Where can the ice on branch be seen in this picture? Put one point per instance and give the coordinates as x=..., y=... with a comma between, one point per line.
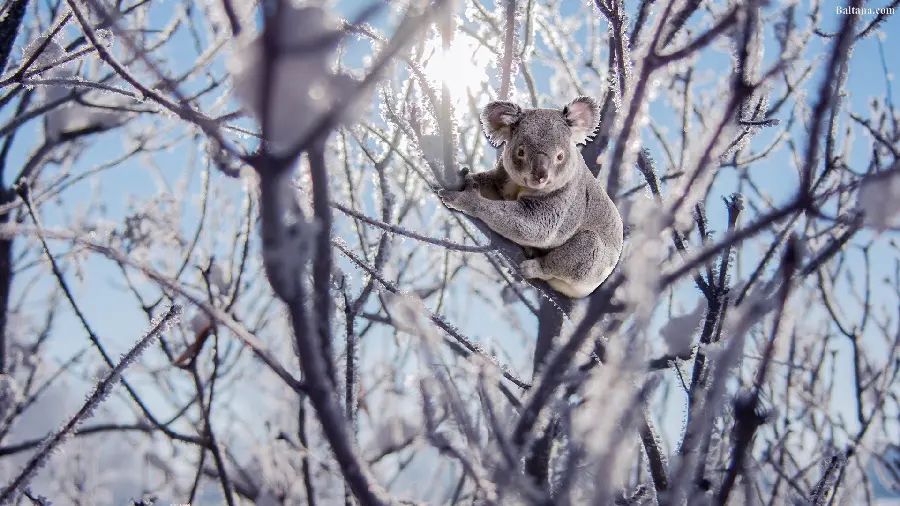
x=302, y=88
x=59, y=83
x=49, y=53
x=879, y=199
x=72, y=115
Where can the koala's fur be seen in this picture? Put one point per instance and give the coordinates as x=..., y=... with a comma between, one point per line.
x=542, y=196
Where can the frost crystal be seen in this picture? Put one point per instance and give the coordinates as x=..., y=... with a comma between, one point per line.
x=105, y=37
x=879, y=199
x=100, y=372
x=301, y=89
x=49, y=54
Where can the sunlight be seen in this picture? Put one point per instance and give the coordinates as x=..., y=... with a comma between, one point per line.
x=463, y=66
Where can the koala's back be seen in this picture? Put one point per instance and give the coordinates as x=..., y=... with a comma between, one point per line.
x=600, y=214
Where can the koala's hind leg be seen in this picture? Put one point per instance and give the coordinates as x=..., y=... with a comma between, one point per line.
x=576, y=268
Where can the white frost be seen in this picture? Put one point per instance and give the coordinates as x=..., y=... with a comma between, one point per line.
x=73, y=116
x=100, y=371
x=678, y=332
x=105, y=37
x=50, y=53
x=879, y=198
x=302, y=87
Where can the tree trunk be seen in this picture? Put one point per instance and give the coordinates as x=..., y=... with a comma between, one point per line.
x=6, y=247
x=550, y=321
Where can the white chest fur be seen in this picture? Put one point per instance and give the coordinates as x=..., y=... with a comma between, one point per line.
x=512, y=191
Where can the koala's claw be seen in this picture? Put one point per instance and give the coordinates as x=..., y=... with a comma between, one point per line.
x=531, y=269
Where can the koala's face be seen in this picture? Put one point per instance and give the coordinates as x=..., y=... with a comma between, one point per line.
x=540, y=144
x=538, y=150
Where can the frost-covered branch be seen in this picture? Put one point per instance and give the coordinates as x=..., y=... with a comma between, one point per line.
x=100, y=393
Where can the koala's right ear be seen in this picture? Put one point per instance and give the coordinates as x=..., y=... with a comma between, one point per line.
x=583, y=117
x=497, y=118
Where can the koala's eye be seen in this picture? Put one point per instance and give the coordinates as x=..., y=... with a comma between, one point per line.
x=559, y=156
x=520, y=152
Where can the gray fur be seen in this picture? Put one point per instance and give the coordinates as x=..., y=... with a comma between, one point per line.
x=541, y=195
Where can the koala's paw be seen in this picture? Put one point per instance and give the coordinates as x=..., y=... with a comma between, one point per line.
x=469, y=181
x=531, y=269
x=453, y=199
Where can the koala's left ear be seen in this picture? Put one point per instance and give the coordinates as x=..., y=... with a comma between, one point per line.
x=497, y=118
x=583, y=117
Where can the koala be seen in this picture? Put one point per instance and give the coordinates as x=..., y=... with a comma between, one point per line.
x=542, y=196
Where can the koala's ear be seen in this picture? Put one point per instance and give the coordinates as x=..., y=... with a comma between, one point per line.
x=583, y=117
x=497, y=118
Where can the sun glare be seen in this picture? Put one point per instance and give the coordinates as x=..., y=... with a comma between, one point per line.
x=463, y=66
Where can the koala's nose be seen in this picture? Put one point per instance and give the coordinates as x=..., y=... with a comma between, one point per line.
x=540, y=168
